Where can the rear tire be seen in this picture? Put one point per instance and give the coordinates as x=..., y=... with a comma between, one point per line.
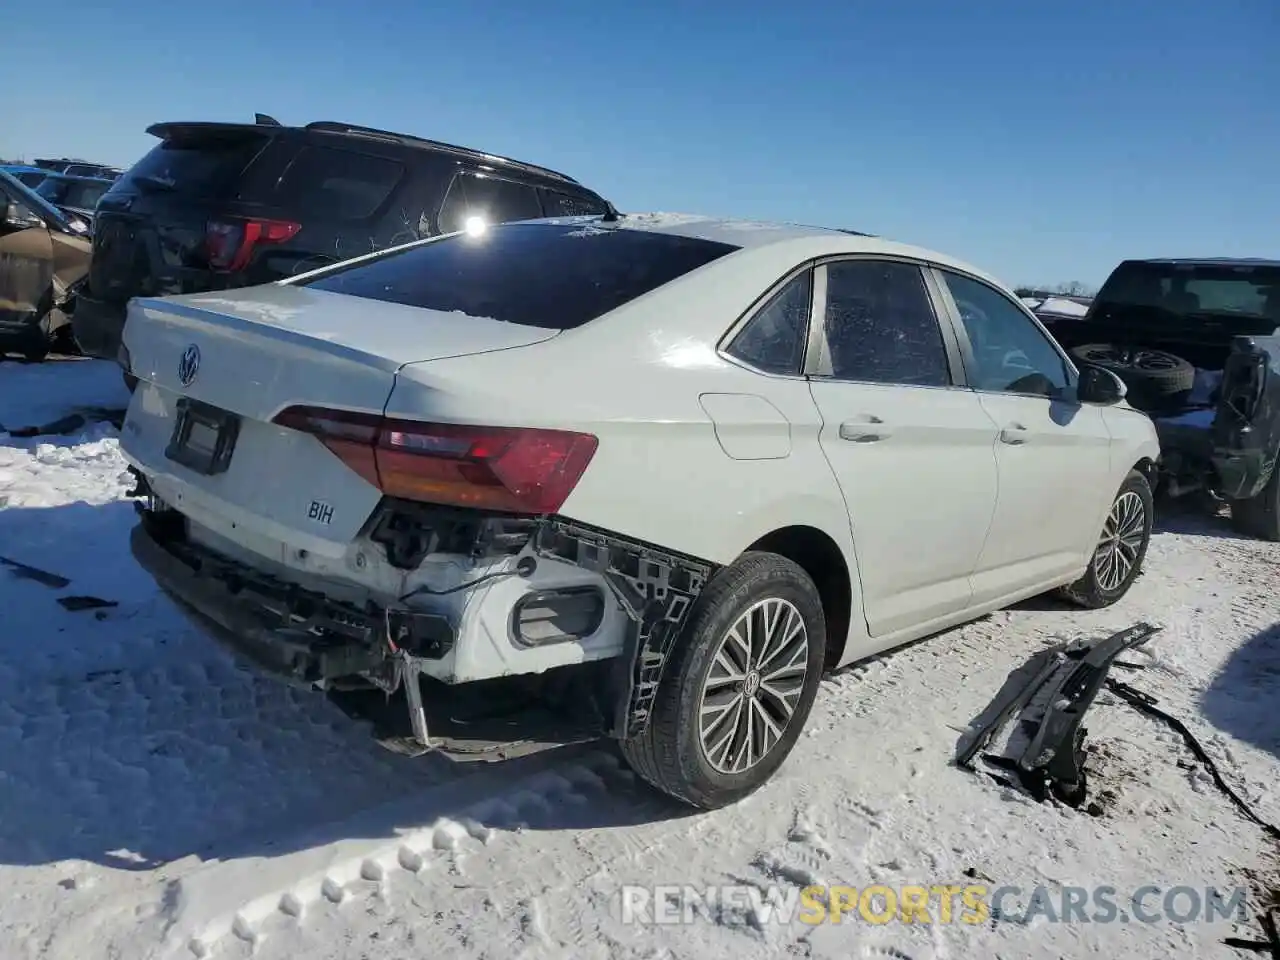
x=720, y=726
x=1117, y=560
x=1259, y=516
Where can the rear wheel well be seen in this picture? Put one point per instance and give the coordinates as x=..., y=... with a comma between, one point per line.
x=820, y=557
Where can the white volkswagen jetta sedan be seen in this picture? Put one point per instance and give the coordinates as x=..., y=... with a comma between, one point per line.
x=672, y=467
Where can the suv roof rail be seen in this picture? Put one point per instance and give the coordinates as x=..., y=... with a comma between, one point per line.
x=333, y=126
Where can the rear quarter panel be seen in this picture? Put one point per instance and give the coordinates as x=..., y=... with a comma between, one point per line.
x=660, y=474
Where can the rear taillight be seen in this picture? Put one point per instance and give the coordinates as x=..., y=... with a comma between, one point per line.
x=229, y=244
x=514, y=469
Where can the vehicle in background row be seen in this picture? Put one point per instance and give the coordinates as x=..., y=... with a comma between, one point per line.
x=27, y=176
x=781, y=449
x=216, y=206
x=1054, y=308
x=75, y=195
x=79, y=168
x=1198, y=344
x=44, y=254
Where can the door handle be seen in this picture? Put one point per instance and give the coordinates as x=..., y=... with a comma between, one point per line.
x=866, y=429
x=1013, y=434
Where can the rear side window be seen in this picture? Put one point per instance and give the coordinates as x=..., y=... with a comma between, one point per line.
x=338, y=184
x=196, y=166
x=881, y=327
x=489, y=199
x=555, y=276
x=557, y=204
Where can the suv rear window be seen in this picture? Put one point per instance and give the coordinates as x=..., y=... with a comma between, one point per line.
x=556, y=276
x=338, y=184
x=1186, y=288
x=197, y=165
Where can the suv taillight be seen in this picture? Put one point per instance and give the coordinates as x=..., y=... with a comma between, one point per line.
x=229, y=243
x=513, y=469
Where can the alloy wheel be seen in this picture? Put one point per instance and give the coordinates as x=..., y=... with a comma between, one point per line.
x=753, y=686
x=1121, y=541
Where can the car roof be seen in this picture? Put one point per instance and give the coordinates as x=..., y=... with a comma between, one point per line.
x=77, y=178
x=356, y=132
x=1211, y=261
x=754, y=234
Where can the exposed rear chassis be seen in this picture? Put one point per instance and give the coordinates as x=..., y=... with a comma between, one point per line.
x=307, y=638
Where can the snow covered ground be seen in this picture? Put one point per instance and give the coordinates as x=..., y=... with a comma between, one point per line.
x=157, y=800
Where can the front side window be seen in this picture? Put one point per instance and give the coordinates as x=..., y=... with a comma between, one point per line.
x=1010, y=353
x=880, y=325
x=489, y=200
x=555, y=276
x=774, y=339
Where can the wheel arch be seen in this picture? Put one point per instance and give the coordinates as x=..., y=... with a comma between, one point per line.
x=1148, y=467
x=822, y=558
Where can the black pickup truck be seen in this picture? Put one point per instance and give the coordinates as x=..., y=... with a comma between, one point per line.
x=1197, y=343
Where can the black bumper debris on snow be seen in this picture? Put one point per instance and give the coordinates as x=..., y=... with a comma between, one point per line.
x=1049, y=695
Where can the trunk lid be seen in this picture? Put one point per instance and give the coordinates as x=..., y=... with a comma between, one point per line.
x=264, y=348
x=252, y=352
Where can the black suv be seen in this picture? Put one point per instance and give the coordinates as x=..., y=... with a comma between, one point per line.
x=1197, y=343
x=220, y=205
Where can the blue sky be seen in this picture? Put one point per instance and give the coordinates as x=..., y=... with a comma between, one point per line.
x=1043, y=141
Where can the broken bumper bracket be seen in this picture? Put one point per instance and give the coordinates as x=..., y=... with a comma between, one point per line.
x=656, y=588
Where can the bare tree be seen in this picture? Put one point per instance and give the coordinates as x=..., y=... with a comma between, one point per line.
x=1073, y=288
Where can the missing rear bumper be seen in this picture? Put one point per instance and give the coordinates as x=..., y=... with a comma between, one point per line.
x=295, y=634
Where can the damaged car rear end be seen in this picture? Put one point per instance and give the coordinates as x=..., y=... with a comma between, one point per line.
x=358, y=505
x=1198, y=344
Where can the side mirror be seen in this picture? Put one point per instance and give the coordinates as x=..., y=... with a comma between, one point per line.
x=1100, y=386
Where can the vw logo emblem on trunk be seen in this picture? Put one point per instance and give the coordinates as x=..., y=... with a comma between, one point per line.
x=189, y=365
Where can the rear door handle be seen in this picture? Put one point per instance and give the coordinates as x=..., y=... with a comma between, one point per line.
x=867, y=429
x=1013, y=434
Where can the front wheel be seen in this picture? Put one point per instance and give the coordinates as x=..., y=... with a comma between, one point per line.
x=1117, y=559
x=741, y=682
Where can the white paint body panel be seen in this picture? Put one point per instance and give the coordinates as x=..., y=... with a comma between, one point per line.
x=938, y=523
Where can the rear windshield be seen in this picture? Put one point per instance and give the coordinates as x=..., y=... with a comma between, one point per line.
x=1185, y=289
x=196, y=165
x=556, y=276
